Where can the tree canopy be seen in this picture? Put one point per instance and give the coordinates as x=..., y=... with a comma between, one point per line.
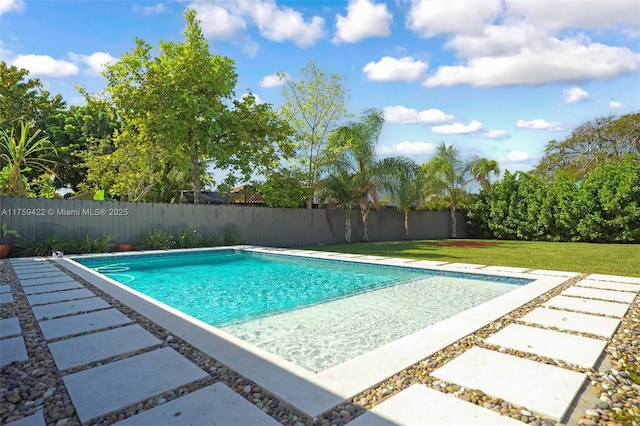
x=313, y=107
x=603, y=140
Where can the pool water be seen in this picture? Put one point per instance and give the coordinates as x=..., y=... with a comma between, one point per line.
x=314, y=312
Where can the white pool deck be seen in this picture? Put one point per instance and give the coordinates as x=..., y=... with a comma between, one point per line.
x=81, y=328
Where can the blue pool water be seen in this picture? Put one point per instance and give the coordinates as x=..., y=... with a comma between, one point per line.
x=222, y=287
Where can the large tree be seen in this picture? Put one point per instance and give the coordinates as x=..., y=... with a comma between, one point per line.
x=23, y=98
x=178, y=118
x=313, y=106
x=603, y=140
x=447, y=175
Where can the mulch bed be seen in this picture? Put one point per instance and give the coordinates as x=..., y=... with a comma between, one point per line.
x=470, y=244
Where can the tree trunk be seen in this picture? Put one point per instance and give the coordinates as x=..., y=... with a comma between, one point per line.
x=195, y=171
x=454, y=225
x=406, y=225
x=364, y=211
x=347, y=226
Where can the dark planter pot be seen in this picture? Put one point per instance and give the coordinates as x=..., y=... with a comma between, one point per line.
x=4, y=250
x=124, y=247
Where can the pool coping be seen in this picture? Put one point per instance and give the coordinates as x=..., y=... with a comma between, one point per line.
x=315, y=393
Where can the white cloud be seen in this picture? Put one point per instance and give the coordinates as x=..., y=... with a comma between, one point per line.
x=553, y=61
x=432, y=17
x=495, y=134
x=575, y=95
x=272, y=80
x=392, y=69
x=43, y=65
x=7, y=6
x=364, y=19
x=285, y=24
x=615, y=105
x=96, y=61
x=517, y=156
x=407, y=149
x=400, y=114
x=575, y=13
x=458, y=128
x=228, y=20
x=218, y=22
x=158, y=8
x=539, y=124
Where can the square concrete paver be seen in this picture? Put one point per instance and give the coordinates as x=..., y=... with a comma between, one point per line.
x=574, y=321
x=53, y=310
x=213, y=405
x=538, y=387
x=609, y=285
x=92, y=347
x=588, y=306
x=420, y=405
x=5, y=289
x=12, y=349
x=578, y=350
x=59, y=296
x=596, y=293
x=76, y=324
x=49, y=279
x=9, y=327
x=6, y=298
x=615, y=278
x=48, y=288
x=119, y=384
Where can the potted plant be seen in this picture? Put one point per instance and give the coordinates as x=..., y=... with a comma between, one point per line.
x=4, y=248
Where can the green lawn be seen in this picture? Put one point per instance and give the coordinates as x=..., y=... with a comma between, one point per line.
x=613, y=259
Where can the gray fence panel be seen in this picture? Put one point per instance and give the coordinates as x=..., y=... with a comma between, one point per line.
x=40, y=219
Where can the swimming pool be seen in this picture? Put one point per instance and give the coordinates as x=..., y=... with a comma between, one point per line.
x=313, y=392
x=316, y=313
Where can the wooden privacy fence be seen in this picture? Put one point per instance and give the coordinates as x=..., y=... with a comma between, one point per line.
x=38, y=219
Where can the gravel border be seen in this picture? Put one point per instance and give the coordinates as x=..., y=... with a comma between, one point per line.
x=37, y=384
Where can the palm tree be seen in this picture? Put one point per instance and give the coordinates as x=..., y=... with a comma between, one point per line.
x=447, y=174
x=339, y=189
x=482, y=168
x=405, y=184
x=355, y=143
x=22, y=153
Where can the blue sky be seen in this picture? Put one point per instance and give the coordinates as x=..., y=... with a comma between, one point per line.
x=496, y=78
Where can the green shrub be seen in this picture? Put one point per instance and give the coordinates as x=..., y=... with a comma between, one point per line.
x=154, y=239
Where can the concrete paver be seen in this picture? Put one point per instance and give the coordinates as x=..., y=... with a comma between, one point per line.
x=36, y=282
x=36, y=419
x=609, y=285
x=47, y=288
x=582, y=351
x=213, y=405
x=595, y=293
x=9, y=327
x=45, y=276
x=574, y=321
x=5, y=289
x=616, y=278
x=6, y=298
x=505, y=269
x=69, y=307
x=59, y=296
x=101, y=345
x=420, y=405
x=516, y=380
x=82, y=323
x=119, y=384
x=588, y=306
x=12, y=349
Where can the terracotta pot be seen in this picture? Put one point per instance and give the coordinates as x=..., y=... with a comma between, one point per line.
x=4, y=250
x=124, y=247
